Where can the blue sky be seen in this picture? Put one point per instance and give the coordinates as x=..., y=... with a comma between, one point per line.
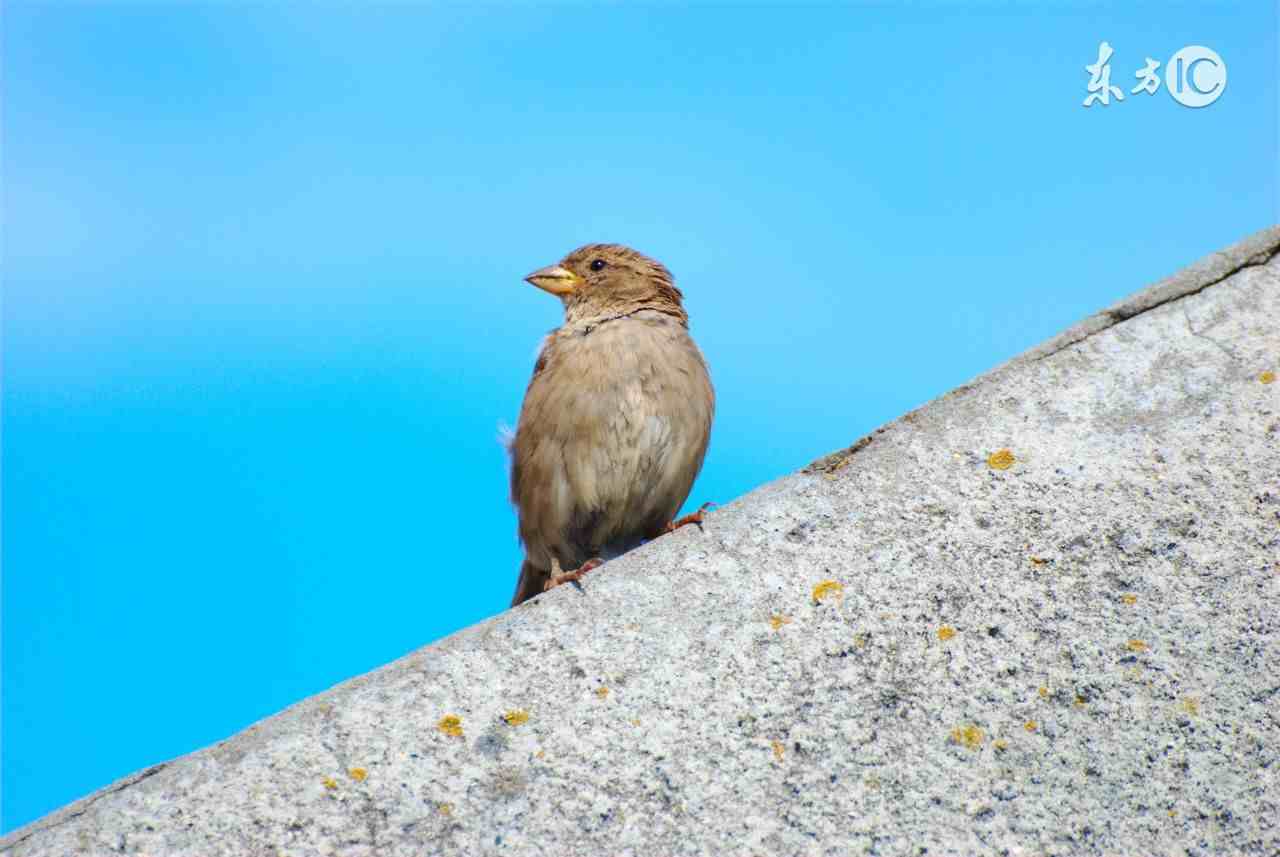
x=263, y=308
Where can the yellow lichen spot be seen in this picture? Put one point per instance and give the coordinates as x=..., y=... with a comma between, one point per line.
x=451, y=725
x=330, y=783
x=1267, y=377
x=777, y=620
x=946, y=632
x=1172, y=813
x=446, y=809
x=969, y=736
x=1043, y=691
x=860, y=641
x=1036, y=560
x=1001, y=459
x=1031, y=726
x=635, y=722
x=516, y=717
x=541, y=754
x=1001, y=745
x=778, y=750
x=1191, y=705
x=358, y=774
x=828, y=589
x=1137, y=646
x=1080, y=700
x=1129, y=598
x=602, y=692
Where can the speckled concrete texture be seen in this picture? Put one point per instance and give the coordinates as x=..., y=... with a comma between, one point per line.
x=1036, y=616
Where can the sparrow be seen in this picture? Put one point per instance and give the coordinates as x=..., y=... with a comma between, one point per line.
x=615, y=421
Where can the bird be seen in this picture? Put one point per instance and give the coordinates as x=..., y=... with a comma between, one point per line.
x=615, y=421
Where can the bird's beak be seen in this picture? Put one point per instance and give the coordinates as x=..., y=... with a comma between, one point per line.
x=555, y=279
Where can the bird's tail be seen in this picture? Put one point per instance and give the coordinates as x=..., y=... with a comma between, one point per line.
x=530, y=583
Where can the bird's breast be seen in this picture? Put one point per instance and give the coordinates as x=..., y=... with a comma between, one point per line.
x=612, y=433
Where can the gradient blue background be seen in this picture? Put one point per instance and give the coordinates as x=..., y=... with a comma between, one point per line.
x=263, y=308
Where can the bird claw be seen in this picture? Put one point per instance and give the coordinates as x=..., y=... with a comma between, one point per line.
x=695, y=518
x=559, y=578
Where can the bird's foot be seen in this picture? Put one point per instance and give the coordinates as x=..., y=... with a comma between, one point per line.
x=695, y=518
x=559, y=578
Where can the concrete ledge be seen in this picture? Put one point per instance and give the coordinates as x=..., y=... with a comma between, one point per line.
x=1036, y=616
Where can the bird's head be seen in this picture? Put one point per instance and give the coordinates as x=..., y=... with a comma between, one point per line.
x=608, y=279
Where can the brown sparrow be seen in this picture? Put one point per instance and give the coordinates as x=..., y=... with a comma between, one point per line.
x=616, y=419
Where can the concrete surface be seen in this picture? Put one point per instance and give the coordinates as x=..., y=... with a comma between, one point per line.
x=921, y=644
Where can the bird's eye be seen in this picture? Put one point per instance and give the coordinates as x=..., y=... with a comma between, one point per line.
x=597, y=264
